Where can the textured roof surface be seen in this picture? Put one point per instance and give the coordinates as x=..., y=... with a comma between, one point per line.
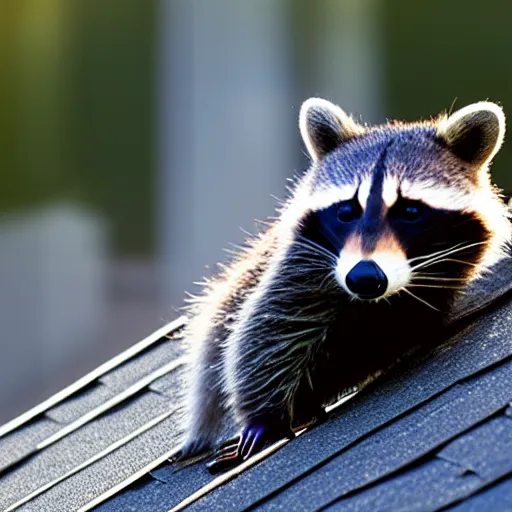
x=434, y=434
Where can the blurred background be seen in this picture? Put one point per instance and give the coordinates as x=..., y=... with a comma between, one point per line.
x=138, y=136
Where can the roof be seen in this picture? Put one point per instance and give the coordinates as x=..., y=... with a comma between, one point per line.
x=435, y=433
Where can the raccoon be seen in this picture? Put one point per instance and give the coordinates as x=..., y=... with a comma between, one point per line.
x=363, y=263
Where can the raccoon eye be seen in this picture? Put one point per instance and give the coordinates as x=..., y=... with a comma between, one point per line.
x=410, y=211
x=348, y=212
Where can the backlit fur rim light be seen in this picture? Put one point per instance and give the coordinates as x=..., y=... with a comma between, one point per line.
x=482, y=106
x=348, y=127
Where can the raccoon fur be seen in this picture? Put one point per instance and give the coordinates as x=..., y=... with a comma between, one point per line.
x=363, y=262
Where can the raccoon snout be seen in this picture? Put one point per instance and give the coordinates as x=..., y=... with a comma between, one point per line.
x=367, y=280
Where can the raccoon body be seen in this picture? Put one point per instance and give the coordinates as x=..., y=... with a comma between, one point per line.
x=363, y=264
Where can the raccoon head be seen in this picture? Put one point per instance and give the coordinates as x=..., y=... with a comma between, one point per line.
x=403, y=206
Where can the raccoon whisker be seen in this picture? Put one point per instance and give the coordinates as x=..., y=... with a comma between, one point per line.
x=446, y=252
x=297, y=288
x=313, y=273
x=300, y=263
x=459, y=249
x=311, y=246
x=331, y=275
x=309, y=255
x=436, y=275
x=437, y=253
x=436, y=286
x=430, y=273
x=419, y=299
x=307, y=242
x=438, y=279
x=430, y=263
x=330, y=235
x=427, y=278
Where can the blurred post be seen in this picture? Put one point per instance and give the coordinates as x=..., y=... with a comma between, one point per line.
x=52, y=298
x=226, y=128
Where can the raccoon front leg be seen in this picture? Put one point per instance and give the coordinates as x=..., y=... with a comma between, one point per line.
x=206, y=400
x=210, y=327
x=259, y=433
x=266, y=360
x=266, y=429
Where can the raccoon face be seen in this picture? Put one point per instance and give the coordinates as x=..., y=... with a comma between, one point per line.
x=403, y=207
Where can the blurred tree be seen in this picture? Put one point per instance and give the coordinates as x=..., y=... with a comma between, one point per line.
x=76, y=99
x=440, y=52
x=34, y=134
x=112, y=82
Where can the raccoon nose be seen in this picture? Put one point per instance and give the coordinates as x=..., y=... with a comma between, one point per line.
x=367, y=280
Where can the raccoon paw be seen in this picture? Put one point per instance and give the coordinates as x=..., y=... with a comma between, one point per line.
x=191, y=451
x=257, y=435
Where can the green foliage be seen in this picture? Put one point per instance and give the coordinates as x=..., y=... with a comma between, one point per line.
x=76, y=97
x=441, y=52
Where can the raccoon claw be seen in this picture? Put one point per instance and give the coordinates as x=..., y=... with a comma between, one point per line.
x=253, y=439
x=225, y=458
x=190, y=452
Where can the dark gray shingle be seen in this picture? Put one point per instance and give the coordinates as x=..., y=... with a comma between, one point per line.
x=20, y=443
x=486, y=450
x=81, y=403
x=404, y=441
x=62, y=457
x=82, y=488
x=427, y=487
x=496, y=497
x=143, y=365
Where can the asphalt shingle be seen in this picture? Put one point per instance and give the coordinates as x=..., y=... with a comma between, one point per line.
x=481, y=456
x=68, y=453
x=143, y=365
x=20, y=443
x=402, y=442
x=486, y=450
x=497, y=497
x=427, y=487
x=82, y=488
x=80, y=403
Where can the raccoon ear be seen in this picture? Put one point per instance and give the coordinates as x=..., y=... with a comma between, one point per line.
x=474, y=133
x=324, y=126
